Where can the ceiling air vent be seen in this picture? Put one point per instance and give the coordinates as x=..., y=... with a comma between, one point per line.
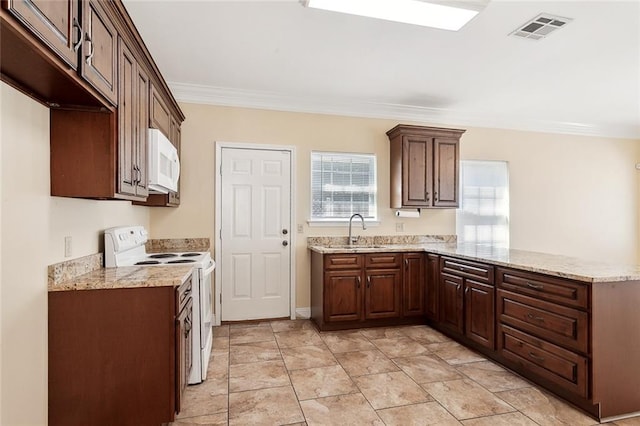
x=540, y=26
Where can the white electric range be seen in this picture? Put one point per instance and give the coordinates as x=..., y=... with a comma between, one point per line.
x=125, y=246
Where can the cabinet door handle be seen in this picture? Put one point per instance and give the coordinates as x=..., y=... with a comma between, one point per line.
x=457, y=286
x=535, y=286
x=536, y=357
x=406, y=263
x=368, y=282
x=76, y=24
x=87, y=37
x=187, y=327
x=535, y=318
x=358, y=281
x=435, y=196
x=466, y=290
x=426, y=194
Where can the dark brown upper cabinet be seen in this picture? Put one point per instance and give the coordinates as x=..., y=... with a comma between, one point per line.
x=424, y=166
x=100, y=55
x=55, y=23
x=86, y=61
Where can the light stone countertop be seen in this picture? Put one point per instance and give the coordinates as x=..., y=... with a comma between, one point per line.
x=549, y=264
x=126, y=277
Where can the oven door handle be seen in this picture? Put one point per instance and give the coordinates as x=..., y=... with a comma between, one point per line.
x=209, y=270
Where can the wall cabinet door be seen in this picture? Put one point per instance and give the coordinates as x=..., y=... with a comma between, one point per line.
x=451, y=302
x=160, y=117
x=342, y=296
x=127, y=128
x=413, y=285
x=99, y=55
x=55, y=23
x=480, y=313
x=142, y=187
x=445, y=172
x=417, y=177
x=432, y=283
x=382, y=294
x=133, y=86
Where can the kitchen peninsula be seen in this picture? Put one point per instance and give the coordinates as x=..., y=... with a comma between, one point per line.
x=567, y=324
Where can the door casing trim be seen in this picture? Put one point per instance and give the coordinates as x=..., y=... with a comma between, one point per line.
x=218, y=216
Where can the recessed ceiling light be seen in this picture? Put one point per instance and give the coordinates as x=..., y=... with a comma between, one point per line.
x=414, y=12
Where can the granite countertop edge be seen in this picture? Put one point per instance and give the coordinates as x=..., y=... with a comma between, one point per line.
x=126, y=277
x=544, y=263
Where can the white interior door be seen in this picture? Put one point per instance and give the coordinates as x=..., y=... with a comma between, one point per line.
x=255, y=233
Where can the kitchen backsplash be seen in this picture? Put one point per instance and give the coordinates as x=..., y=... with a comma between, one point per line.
x=177, y=244
x=69, y=269
x=383, y=239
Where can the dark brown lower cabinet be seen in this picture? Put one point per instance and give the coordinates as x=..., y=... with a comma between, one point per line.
x=413, y=284
x=356, y=290
x=113, y=356
x=343, y=297
x=382, y=294
x=451, y=303
x=432, y=285
x=479, y=313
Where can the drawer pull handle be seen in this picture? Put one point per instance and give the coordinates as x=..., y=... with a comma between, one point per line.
x=535, y=318
x=462, y=269
x=535, y=286
x=536, y=357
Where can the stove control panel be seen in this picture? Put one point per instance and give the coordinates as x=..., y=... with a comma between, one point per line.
x=122, y=239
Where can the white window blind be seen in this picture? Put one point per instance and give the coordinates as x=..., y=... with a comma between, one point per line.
x=343, y=184
x=483, y=216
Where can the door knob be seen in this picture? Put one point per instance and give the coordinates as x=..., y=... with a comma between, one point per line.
x=285, y=232
x=285, y=243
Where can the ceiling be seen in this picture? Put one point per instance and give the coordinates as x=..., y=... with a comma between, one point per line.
x=581, y=79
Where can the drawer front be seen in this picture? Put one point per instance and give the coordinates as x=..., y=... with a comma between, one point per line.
x=383, y=260
x=564, y=368
x=476, y=271
x=564, y=326
x=540, y=286
x=343, y=261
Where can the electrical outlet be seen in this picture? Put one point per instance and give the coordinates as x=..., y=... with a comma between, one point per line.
x=400, y=227
x=300, y=229
x=67, y=246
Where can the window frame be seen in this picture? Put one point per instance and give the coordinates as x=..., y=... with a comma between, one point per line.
x=342, y=222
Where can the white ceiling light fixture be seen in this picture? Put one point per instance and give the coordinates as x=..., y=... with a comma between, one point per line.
x=446, y=15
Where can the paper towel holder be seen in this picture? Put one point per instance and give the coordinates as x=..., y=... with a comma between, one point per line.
x=413, y=213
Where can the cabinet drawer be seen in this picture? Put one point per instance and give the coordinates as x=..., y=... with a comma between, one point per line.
x=564, y=326
x=548, y=361
x=477, y=271
x=557, y=290
x=383, y=260
x=343, y=261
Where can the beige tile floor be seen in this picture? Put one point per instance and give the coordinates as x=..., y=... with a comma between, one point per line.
x=287, y=373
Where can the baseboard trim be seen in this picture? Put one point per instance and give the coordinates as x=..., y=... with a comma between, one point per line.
x=304, y=313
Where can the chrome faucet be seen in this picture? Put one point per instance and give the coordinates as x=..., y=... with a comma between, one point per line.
x=354, y=239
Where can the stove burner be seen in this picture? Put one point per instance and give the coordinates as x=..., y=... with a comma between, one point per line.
x=182, y=261
x=148, y=262
x=162, y=255
x=190, y=254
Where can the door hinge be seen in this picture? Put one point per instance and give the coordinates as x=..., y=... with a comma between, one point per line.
x=220, y=169
x=221, y=298
x=221, y=234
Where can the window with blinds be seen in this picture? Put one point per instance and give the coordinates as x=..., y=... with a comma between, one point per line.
x=343, y=184
x=483, y=216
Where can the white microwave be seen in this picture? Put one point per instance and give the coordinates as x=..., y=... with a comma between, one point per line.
x=163, y=165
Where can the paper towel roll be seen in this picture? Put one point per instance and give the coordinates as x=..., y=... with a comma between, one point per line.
x=408, y=213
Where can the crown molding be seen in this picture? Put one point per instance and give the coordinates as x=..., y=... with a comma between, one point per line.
x=199, y=94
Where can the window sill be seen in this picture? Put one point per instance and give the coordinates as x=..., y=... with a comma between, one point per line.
x=338, y=223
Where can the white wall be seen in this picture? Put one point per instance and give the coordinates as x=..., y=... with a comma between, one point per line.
x=33, y=227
